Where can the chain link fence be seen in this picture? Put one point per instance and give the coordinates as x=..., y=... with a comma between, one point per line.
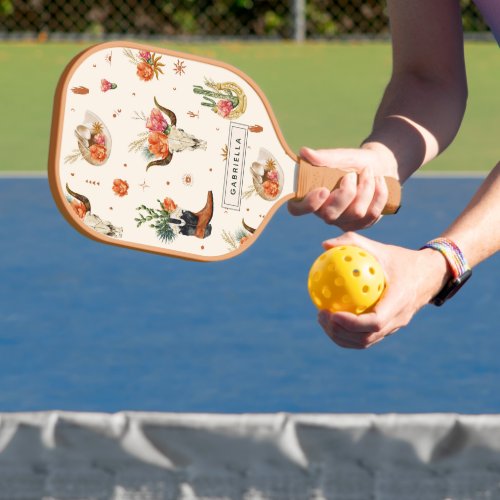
x=283, y=19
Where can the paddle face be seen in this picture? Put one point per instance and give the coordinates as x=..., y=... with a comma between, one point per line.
x=166, y=152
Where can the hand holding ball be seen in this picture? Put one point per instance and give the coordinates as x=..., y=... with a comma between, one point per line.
x=346, y=278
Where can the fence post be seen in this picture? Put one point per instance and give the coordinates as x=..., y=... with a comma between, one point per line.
x=299, y=20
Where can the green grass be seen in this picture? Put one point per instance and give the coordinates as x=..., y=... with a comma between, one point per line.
x=324, y=95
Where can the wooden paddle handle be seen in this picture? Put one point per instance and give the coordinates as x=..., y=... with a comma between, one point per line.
x=311, y=177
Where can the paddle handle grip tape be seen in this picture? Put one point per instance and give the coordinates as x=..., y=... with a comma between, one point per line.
x=310, y=177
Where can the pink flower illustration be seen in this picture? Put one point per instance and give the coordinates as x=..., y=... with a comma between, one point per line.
x=144, y=54
x=272, y=175
x=156, y=121
x=100, y=139
x=105, y=85
x=224, y=107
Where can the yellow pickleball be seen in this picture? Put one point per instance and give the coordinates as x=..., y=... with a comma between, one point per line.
x=346, y=278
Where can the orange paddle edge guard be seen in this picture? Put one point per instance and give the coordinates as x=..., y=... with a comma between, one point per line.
x=179, y=201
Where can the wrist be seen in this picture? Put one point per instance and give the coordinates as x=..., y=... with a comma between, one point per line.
x=388, y=165
x=437, y=272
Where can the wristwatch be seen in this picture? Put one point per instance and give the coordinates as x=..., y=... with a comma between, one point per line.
x=460, y=270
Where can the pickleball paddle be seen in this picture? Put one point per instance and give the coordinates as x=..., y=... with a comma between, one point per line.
x=172, y=153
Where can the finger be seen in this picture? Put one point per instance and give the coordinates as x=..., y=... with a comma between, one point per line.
x=339, y=157
x=380, y=197
x=311, y=203
x=364, y=196
x=356, y=216
x=345, y=344
x=357, y=224
x=384, y=319
x=362, y=324
x=362, y=340
x=338, y=334
x=366, y=209
x=339, y=199
x=342, y=341
x=348, y=238
x=355, y=340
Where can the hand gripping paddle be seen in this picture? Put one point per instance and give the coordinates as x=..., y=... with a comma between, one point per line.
x=172, y=153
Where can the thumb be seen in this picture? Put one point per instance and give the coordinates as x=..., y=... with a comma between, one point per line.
x=348, y=238
x=339, y=158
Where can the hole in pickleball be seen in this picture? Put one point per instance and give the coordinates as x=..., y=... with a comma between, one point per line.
x=379, y=287
x=327, y=293
x=363, y=254
x=372, y=271
x=366, y=289
x=317, y=301
x=336, y=306
x=348, y=258
x=317, y=276
x=330, y=268
x=360, y=309
x=339, y=281
x=356, y=273
x=346, y=299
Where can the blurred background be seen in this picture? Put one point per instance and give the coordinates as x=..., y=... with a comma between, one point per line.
x=293, y=19
x=332, y=56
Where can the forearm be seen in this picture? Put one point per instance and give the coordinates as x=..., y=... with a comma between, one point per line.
x=477, y=230
x=424, y=103
x=416, y=121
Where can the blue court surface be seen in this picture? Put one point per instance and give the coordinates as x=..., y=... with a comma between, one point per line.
x=91, y=327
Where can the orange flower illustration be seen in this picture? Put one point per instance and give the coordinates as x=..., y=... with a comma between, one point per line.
x=244, y=239
x=169, y=204
x=98, y=152
x=148, y=64
x=145, y=71
x=158, y=144
x=120, y=187
x=271, y=188
x=79, y=208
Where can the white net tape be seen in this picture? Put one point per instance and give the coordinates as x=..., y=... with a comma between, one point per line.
x=155, y=456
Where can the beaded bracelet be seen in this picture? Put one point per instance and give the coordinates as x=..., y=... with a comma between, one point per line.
x=459, y=267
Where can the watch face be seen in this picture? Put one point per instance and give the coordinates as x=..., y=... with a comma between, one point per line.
x=451, y=288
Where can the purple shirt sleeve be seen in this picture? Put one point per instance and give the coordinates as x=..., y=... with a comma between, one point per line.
x=490, y=9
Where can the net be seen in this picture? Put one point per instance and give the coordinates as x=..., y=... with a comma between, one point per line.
x=159, y=456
